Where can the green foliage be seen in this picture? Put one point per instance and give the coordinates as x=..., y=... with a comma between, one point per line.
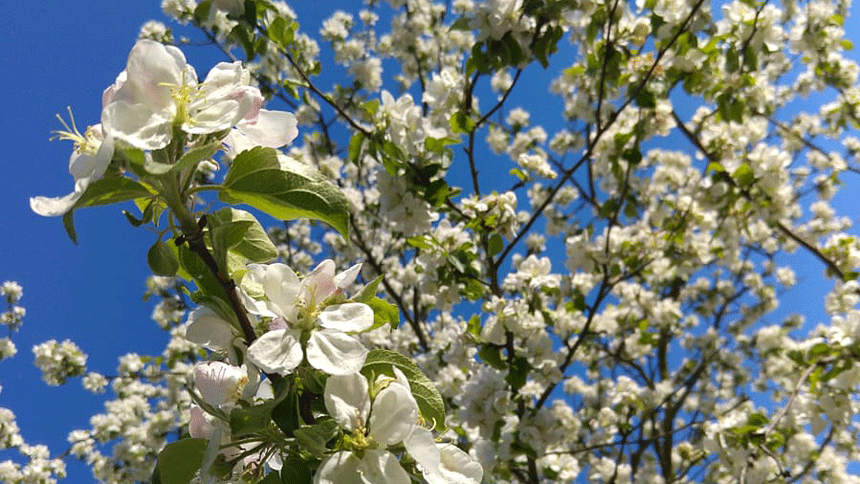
x=190, y=159
x=314, y=438
x=106, y=191
x=238, y=231
x=285, y=189
x=384, y=313
x=179, y=461
x=430, y=403
x=161, y=259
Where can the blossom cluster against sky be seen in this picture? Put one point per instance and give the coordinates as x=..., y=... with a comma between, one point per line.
x=60, y=55
x=57, y=55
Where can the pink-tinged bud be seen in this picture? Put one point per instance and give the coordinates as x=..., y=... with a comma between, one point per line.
x=199, y=425
x=219, y=382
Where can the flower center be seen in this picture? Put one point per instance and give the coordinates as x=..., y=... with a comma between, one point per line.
x=183, y=95
x=87, y=143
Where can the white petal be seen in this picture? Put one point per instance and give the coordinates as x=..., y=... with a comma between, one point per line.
x=280, y=284
x=213, y=117
x=347, y=317
x=156, y=64
x=272, y=129
x=85, y=169
x=335, y=352
x=209, y=330
x=92, y=167
x=347, y=277
x=422, y=448
x=199, y=425
x=381, y=467
x=222, y=80
x=219, y=382
x=394, y=415
x=52, y=207
x=338, y=468
x=319, y=284
x=276, y=351
x=139, y=125
x=456, y=467
x=347, y=400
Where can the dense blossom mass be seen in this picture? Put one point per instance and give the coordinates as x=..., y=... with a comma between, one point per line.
x=479, y=277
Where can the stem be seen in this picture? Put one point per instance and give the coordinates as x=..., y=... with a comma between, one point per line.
x=198, y=246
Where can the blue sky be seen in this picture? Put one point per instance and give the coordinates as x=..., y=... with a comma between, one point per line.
x=58, y=54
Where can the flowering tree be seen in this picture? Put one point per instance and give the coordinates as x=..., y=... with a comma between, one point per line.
x=589, y=303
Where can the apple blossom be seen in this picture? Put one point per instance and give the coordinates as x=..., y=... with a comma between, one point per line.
x=304, y=307
x=90, y=159
x=392, y=417
x=158, y=91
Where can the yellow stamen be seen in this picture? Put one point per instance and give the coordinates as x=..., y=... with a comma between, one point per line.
x=87, y=143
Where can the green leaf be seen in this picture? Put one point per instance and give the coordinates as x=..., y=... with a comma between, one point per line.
x=461, y=123
x=492, y=355
x=286, y=412
x=495, y=244
x=191, y=264
x=179, y=461
x=191, y=158
x=355, y=146
x=201, y=12
x=285, y=189
x=429, y=400
x=384, y=313
x=251, y=420
x=282, y=31
x=69, y=224
x=161, y=259
x=462, y=23
x=744, y=176
x=518, y=373
x=225, y=236
x=646, y=99
x=255, y=245
x=271, y=478
x=112, y=190
x=818, y=351
x=296, y=471
x=313, y=438
x=368, y=292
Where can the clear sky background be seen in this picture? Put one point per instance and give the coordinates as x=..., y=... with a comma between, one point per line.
x=56, y=54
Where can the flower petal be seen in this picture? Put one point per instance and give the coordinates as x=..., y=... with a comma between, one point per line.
x=347, y=400
x=335, y=352
x=338, y=468
x=280, y=284
x=381, y=467
x=54, y=206
x=347, y=277
x=276, y=351
x=219, y=382
x=209, y=330
x=213, y=117
x=394, y=415
x=347, y=317
x=139, y=125
x=272, y=129
x=319, y=284
x=455, y=467
x=423, y=449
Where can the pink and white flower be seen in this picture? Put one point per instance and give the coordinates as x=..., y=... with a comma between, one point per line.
x=302, y=305
x=158, y=91
x=89, y=161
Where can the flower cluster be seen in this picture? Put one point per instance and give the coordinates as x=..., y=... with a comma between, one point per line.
x=59, y=361
x=589, y=301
